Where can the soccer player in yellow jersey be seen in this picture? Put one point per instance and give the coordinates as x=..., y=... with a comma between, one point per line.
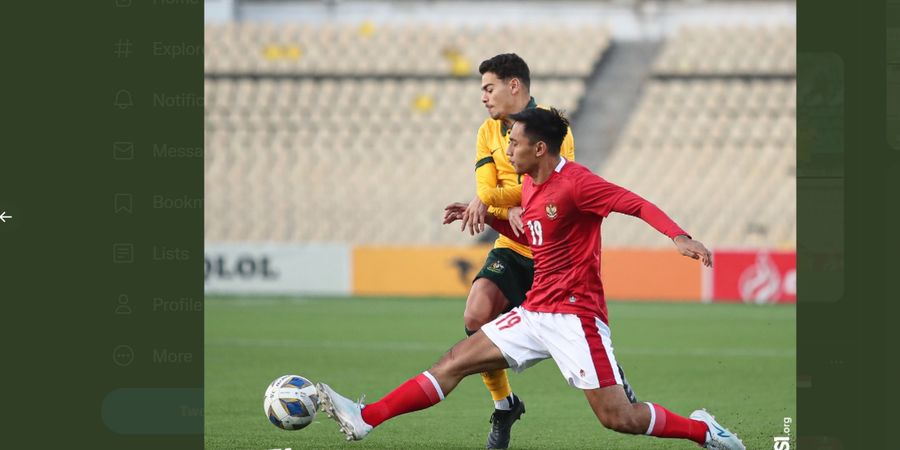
x=508, y=270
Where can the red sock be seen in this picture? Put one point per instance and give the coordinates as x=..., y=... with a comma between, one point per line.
x=419, y=392
x=665, y=423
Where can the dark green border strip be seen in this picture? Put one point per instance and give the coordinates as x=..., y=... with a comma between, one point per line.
x=79, y=175
x=844, y=252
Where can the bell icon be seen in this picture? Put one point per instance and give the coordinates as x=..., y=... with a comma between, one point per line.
x=123, y=99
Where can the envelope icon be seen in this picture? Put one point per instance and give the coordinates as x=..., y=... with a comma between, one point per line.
x=123, y=150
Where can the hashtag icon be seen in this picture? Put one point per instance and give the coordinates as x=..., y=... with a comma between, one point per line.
x=122, y=48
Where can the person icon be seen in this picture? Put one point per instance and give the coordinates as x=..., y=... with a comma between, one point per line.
x=122, y=307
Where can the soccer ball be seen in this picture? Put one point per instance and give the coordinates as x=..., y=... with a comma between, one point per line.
x=291, y=402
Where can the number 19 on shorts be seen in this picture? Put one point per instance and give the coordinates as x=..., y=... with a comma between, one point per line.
x=537, y=233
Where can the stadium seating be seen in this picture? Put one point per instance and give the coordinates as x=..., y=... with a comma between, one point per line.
x=368, y=49
x=712, y=140
x=355, y=160
x=362, y=133
x=718, y=50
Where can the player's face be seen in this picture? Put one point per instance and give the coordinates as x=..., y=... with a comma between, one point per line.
x=497, y=96
x=521, y=151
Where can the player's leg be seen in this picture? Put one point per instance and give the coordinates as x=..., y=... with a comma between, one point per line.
x=612, y=408
x=472, y=355
x=600, y=378
x=497, y=289
x=485, y=302
x=506, y=341
x=500, y=285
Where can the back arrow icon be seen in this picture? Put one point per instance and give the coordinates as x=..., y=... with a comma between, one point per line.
x=3, y=216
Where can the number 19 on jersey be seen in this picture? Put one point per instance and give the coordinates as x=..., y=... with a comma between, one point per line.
x=537, y=233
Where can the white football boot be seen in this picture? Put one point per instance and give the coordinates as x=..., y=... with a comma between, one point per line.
x=346, y=412
x=717, y=436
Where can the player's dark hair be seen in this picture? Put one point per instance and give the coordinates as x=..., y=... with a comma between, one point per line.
x=548, y=125
x=507, y=66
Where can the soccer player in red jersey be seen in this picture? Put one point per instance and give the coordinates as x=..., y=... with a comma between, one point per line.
x=564, y=315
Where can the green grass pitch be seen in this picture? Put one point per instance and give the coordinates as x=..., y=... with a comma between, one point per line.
x=738, y=361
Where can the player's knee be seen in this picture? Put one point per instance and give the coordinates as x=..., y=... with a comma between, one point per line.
x=484, y=304
x=442, y=367
x=449, y=365
x=609, y=420
x=614, y=423
x=617, y=420
x=473, y=321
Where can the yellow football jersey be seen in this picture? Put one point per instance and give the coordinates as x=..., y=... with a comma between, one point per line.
x=497, y=183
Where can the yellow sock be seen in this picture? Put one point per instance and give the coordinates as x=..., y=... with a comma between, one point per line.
x=498, y=383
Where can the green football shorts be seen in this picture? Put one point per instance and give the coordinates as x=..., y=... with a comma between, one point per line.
x=511, y=272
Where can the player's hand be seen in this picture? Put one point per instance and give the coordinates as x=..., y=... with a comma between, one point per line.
x=473, y=217
x=514, y=215
x=693, y=249
x=454, y=212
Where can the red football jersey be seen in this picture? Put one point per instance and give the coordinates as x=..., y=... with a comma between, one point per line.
x=562, y=219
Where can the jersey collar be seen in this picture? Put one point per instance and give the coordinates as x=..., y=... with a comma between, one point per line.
x=562, y=162
x=531, y=104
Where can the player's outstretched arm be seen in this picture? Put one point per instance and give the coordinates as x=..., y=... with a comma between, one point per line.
x=693, y=249
x=602, y=197
x=501, y=197
x=487, y=178
x=627, y=202
x=473, y=216
x=630, y=203
x=454, y=212
x=475, y=213
x=512, y=228
x=505, y=228
x=513, y=215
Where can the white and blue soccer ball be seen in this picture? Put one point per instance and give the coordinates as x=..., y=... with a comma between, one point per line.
x=291, y=402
